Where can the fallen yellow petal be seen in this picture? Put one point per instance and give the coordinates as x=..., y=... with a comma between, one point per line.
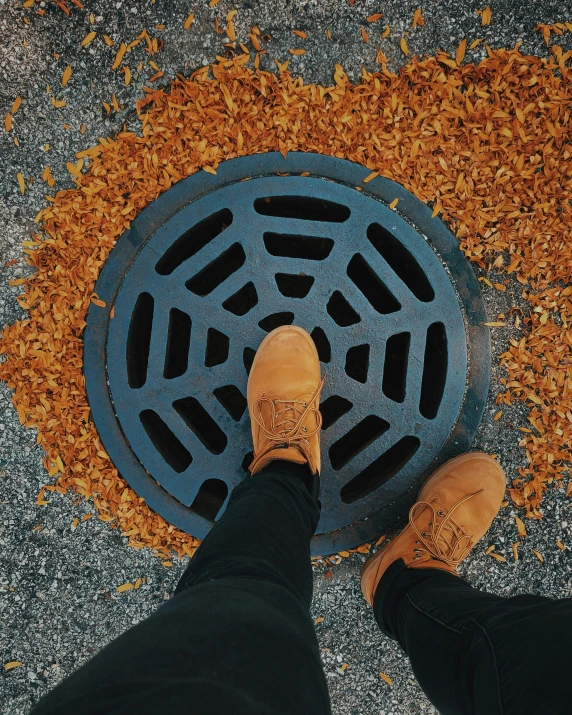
x=418, y=18
x=90, y=37
x=12, y=664
x=119, y=56
x=66, y=75
x=124, y=587
x=189, y=21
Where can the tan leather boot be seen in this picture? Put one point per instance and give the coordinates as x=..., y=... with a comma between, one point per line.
x=454, y=509
x=284, y=388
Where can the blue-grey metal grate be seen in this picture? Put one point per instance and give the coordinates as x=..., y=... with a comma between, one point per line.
x=215, y=263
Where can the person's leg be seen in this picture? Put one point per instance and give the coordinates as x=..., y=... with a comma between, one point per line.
x=475, y=653
x=237, y=637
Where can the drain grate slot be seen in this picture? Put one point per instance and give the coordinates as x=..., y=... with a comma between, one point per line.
x=210, y=498
x=435, y=365
x=192, y=241
x=302, y=207
x=294, y=285
x=333, y=408
x=380, y=471
x=401, y=262
x=165, y=442
x=217, y=271
x=276, y=320
x=217, y=348
x=395, y=366
x=247, y=461
x=232, y=399
x=201, y=423
x=370, y=284
x=178, y=343
x=139, y=340
x=242, y=301
x=357, y=363
x=248, y=358
x=341, y=311
x=312, y=248
x=356, y=440
x=322, y=344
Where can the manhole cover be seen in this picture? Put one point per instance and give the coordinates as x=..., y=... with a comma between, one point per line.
x=216, y=262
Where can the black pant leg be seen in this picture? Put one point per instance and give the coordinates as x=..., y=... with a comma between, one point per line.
x=264, y=533
x=475, y=653
x=237, y=637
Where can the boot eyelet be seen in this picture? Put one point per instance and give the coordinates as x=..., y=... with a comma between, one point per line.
x=425, y=534
x=304, y=429
x=416, y=556
x=440, y=513
x=305, y=404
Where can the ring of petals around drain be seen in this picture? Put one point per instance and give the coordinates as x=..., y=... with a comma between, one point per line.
x=212, y=265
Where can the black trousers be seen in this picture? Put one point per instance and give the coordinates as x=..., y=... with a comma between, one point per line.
x=237, y=636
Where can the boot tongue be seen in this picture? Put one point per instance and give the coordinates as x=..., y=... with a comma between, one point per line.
x=289, y=415
x=449, y=535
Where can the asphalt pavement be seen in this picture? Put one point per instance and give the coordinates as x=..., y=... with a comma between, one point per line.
x=58, y=599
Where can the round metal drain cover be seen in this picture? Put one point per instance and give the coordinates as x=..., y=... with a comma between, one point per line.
x=216, y=262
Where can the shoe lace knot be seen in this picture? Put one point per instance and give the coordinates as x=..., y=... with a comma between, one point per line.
x=443, y=539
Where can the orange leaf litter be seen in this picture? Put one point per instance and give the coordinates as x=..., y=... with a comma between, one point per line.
x=488, y=145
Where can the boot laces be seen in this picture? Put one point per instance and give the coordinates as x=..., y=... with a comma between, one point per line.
x=446, y=540
x=287, y=421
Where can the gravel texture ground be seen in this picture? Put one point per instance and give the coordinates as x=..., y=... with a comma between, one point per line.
x=58, y=598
